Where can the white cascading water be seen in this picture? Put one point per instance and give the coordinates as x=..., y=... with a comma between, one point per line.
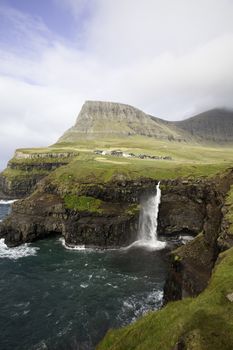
x=148, y=222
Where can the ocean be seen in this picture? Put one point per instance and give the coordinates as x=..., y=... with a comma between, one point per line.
x=52, y=297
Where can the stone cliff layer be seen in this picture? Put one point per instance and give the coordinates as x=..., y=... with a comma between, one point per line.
x=107, y=214
x=192, y=264
x=102, y=215
x=25, y=170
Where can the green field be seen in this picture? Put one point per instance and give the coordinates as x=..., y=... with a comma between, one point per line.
x=189, y=160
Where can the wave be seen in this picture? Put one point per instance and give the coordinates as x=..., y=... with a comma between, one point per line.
x=82, y=247
x=3, y=201
x=16, y=252
x=137, y=308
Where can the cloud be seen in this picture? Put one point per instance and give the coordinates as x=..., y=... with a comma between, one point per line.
x=125, y=31
x=171, y=59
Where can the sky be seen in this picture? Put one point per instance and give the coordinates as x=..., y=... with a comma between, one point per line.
x=170, y=58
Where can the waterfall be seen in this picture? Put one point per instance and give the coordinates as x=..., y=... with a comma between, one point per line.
x=148, y=219
x=148, y=222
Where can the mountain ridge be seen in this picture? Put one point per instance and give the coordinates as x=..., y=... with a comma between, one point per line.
x=213, y=125
x=104, y=119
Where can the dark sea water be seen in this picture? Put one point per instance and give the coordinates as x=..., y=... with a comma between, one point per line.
x=54, y=298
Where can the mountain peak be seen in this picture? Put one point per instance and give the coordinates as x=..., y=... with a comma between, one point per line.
x=104, y=119
x=108, y=110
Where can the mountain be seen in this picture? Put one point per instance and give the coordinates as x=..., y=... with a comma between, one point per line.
x=103, y=119
x=213, y=125
x=98, y=119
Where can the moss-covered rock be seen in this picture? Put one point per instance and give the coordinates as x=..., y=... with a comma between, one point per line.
x=83, y=203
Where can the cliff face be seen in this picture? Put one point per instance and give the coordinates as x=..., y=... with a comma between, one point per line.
x=202, y=269
x=192, y=264
x=108, y=119
x=106, y=214
x=183, y=206
x=15, y=187
x=102, y=215
x=25, y=170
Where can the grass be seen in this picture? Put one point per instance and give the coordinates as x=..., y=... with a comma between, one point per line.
x=203, y=323
x=92, y=171
x=189, y=160
x=44, y=150
x=47, y=160
x=92, y=205
x=16, y=174
x=180, y=151
x=83, y=203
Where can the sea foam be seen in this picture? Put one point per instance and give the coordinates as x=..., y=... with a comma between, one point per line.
x=75, y=247
x=3, y=201
x=15, y=253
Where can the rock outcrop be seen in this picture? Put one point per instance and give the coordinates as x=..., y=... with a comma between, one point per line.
x=44, y=214
x=47, y=212
x=192, y=264
x=183, y=206
x=19, y=186
x=25, y=170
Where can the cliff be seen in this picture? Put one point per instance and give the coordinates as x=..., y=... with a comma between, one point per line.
x=101, y=215
x=199, y=269
x=27, y=168
x=103, y=119
x=192, y=263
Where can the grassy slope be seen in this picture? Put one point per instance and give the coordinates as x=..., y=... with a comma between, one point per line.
x=204, y=323
x=180, y=151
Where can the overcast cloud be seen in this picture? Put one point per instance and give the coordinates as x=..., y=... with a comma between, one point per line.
x=171, y=58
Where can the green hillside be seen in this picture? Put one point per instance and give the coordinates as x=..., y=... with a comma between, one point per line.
x=202, y=323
